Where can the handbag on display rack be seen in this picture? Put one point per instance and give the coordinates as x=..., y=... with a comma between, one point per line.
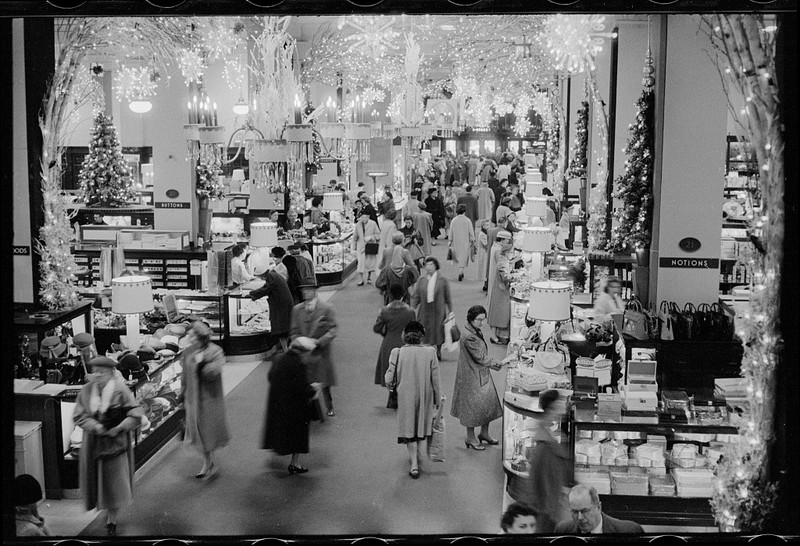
x=704, y=319
x=634, y=320
x=686, y=328
x=666, y=332
x=550, y=358
x=721, y=323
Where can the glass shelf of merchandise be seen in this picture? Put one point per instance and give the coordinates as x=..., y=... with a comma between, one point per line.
x=207, y=306
x=248, y=326
x=334, y=259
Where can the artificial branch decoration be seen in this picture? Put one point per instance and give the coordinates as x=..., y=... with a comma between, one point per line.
x=209, y=184
x=579, y=162
x=598, y=201
x=744, y=53
x=635, y=186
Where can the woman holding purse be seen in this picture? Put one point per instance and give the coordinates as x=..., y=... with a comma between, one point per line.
x=414, y=373
x=475, y=401
x=206, y=424
x=107, y=412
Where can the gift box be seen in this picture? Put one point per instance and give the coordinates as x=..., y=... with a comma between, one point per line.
x=629, y=484
x=650, y=455
x=677, y=400
x=661, y=485
x=609, y=406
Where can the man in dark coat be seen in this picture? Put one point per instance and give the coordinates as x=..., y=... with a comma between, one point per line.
x=280, y=304
x=304, y=265
x=588, y=517
x=434, y=205
x=471, y=202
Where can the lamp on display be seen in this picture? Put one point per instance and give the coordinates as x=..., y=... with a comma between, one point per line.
x=130, y=296
x=549, y=303
x=333, y=200
x=140, y=105
x=237, y=179
x=537, y=240
x=534, y=189
x=263, y=235
x=536, y=207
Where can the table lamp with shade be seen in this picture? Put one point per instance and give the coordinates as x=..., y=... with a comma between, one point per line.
x=537, y=241
x=131, y=296
x=549, y=303
x=536, y=207
x=237, y=179
x=333, y=201
x=262, y=235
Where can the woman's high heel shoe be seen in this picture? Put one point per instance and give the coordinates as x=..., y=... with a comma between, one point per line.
x=297, y=469
x=205, y=472
x=490, y=441
x=476, y=447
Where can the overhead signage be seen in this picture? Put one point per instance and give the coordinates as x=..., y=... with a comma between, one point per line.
x=689, y=263
x=172, y=205
x=22, y=250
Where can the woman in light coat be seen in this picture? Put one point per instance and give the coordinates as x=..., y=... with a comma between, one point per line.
x=461, y=240
x=366, y=231
x=107, y=480
x=499, y=288
x=414, y=371
x=483, y=248
x=206, y=422
x=475, y=401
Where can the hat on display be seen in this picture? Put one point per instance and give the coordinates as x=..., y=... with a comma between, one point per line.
x=156, y=344
x=52, y=347
x=170, y=342
x=146, y=352
x=130, y=366
x=103, y=361
x=158, y=334
x=81, y=341
x=176, y=329
x=27, y=490
x=502, y=235
x=118, y=347
x=183, y=342
x=166, y=353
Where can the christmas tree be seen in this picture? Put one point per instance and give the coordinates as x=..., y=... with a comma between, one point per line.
x=105, y=177
x=635, y=186
x=577, y=167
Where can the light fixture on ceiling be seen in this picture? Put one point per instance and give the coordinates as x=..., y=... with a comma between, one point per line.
x=140, y=105
x=241, y=108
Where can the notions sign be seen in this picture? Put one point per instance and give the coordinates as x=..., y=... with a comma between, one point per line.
x=689, y=263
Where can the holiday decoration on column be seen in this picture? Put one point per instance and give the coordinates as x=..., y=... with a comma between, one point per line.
x=105, y=177
x=635, y=186
x=744, y=53
x=577, y=166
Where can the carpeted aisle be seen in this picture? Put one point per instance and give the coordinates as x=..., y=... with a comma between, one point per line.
x=358, y=482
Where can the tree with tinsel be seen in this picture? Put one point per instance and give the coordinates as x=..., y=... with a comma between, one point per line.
x=209, y=184
x=634, y=187
x=577, y=167
x=105, y=177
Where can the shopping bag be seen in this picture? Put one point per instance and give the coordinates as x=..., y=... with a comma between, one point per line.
x=449, y=254
x=549, y=358
x=449, y=344
x=634, y=321
x=391, y=403
x=436, y=443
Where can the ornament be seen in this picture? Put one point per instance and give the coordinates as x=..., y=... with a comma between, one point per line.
x=648, y=70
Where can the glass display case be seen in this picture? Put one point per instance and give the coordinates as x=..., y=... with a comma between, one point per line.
x=206, y=306
x=334, y=259
x=247, y=324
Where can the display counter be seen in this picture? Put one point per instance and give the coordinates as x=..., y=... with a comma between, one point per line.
x=334, y=259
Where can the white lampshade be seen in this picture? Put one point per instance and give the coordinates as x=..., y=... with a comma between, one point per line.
x=537, y=239
x=140, y=106
x=241, y=108
x=332, y=200
x=536, y=206
x=263, y=234
x=133, y=294
x=238, y=174
x=549, y=300
x=534, y=189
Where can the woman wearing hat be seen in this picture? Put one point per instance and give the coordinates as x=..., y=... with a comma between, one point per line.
x=27, y=496
x=288, y=404
x=414, y=373
x=206, y=423
x=107, y=412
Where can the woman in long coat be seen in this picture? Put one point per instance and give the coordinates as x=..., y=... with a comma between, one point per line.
x=396, y=273
x=366, y=231
x=499, y=285
x=475, y=401
x=423, y=223
x=288, y=406
x=391, y=320
x=414, y=371
x=483, y=249
x=432, y=314
x=280, y=304
x=435, y=206
x=462, y=240
x=206, y=421
x=106, y=482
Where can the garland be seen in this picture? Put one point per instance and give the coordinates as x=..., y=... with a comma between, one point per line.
x=598, y=201
x=743, y=51
x=635, y=186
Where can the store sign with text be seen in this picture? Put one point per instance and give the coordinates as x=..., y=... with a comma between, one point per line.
x=689, y=263
x=172, y=205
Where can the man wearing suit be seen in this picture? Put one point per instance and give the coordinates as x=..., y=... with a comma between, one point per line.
x=471, y=202
x=314, y=319
x=588, y=517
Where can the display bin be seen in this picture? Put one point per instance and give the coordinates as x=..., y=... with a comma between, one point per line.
x=28, y=457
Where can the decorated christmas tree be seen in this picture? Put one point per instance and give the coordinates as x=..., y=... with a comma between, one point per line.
x=635, y=186
x=105, y=177
x=577, y=167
